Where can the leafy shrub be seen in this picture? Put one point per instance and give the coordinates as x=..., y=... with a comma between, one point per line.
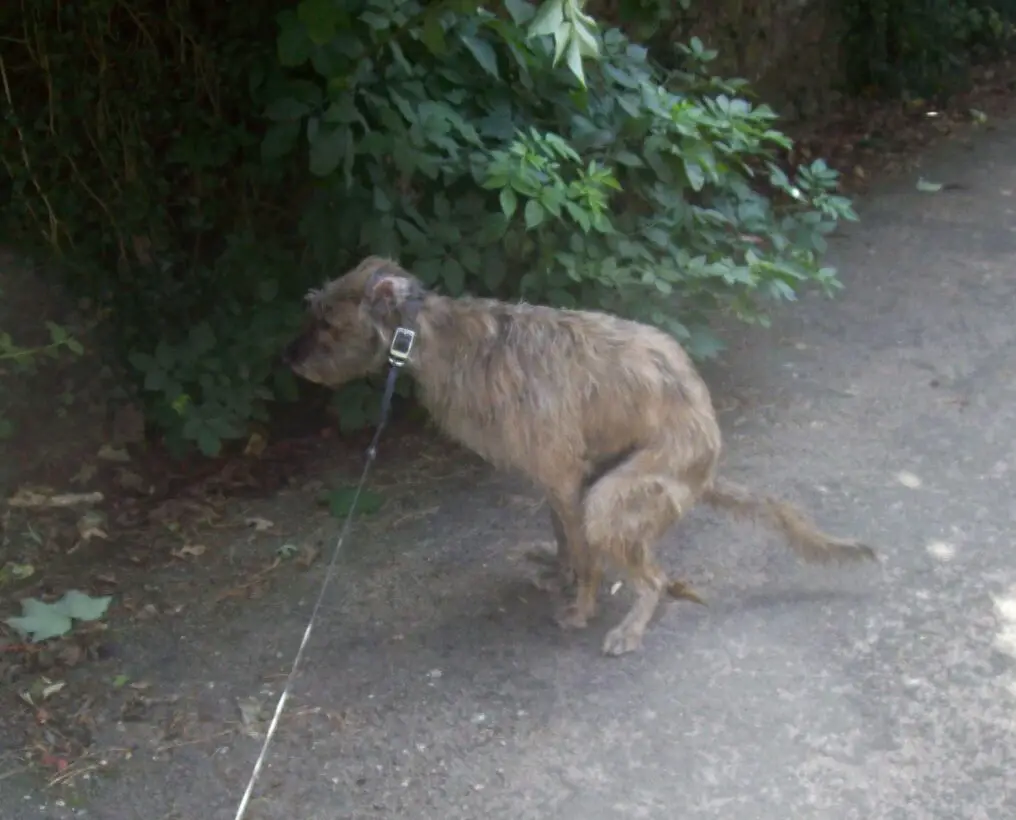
x=131, y=148
x=452, y=140
x=17, y=361
x=236, y=156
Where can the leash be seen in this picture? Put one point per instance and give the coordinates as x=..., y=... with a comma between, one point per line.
x=398, y=355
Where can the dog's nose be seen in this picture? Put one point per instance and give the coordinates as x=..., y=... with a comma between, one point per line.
x=291, y=353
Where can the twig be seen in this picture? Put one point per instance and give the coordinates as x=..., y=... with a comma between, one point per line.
x=30, y=498
x=54, y=224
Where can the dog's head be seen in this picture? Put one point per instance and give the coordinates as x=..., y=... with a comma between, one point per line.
x=351, y=321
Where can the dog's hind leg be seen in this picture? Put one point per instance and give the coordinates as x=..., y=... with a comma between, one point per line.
x=626, y=513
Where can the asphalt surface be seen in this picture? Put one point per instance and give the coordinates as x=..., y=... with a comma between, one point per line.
x=886, y=692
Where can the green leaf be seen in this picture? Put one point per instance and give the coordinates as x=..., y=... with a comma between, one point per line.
x=589, y=46
x=433, y=35
x=293, y=45
x=378, y=22
x=328, y=151
x=279, y=140
x=381, y=201
x=534, y=214
x=494, y=270
x=509, y=202
x=630, y=159
x=703, y=344
x=321, y=17
x=286, y=108
x=575, y=61
x=201, y=338
x=495, y=225
x=561, y=39
x=57, y=334
x=549, y=18
x=343, y=110
x=520, y=10
x=81, y=607
x=340, y=502
x=40, y=621
x=454, y=276
x=696, y=176
x=208, y=441
x=483, y=52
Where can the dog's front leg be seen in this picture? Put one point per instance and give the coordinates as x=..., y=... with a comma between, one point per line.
x=557, y=574
x=579, y=571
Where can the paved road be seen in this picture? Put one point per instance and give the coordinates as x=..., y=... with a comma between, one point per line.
x=886, y=692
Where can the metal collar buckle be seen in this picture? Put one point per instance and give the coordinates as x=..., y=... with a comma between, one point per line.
x=402, y=344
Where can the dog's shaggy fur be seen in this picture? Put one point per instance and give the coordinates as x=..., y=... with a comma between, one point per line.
x=608, y=417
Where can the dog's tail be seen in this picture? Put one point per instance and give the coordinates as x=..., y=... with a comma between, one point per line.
x=809, y=542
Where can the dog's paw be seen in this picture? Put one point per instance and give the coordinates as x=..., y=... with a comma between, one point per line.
x=621, y=640
x=545, y=554
x=571, y=617
x=555, y=579
x=548, y=582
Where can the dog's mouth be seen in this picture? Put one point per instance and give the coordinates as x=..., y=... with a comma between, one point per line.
x=298, y=351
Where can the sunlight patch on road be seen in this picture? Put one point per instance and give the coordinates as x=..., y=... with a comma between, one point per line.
x=941, y=550
x=1005, y=640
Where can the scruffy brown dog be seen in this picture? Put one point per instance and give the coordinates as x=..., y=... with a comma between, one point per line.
x=608, y=417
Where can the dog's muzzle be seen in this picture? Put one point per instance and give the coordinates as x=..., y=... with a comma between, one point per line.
x=297, y=350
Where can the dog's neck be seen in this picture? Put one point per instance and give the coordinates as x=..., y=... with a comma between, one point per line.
x=448, y=330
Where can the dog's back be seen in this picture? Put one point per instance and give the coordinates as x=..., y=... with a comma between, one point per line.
x=520, y=382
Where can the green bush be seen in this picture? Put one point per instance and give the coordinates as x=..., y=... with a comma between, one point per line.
x=922, y=47
x=131, y=145
x=451, y=140
x=232, y=159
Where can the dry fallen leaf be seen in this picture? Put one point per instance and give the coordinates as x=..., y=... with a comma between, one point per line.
x=250, y=716
x=189, y=551
x=308, y=555
x=255, y=445
x=681, y=590
x=129, y=480
x=71, y=654
x=90, y=526
x=259, y=524
x=52, y=688
x=107, y=452
x=85, y=474
x=128, y=425
x=147, y=612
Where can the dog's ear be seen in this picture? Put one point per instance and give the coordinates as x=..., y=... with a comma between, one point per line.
x=386, y=292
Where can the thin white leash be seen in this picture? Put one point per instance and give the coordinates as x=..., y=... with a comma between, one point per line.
x=398, y=354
